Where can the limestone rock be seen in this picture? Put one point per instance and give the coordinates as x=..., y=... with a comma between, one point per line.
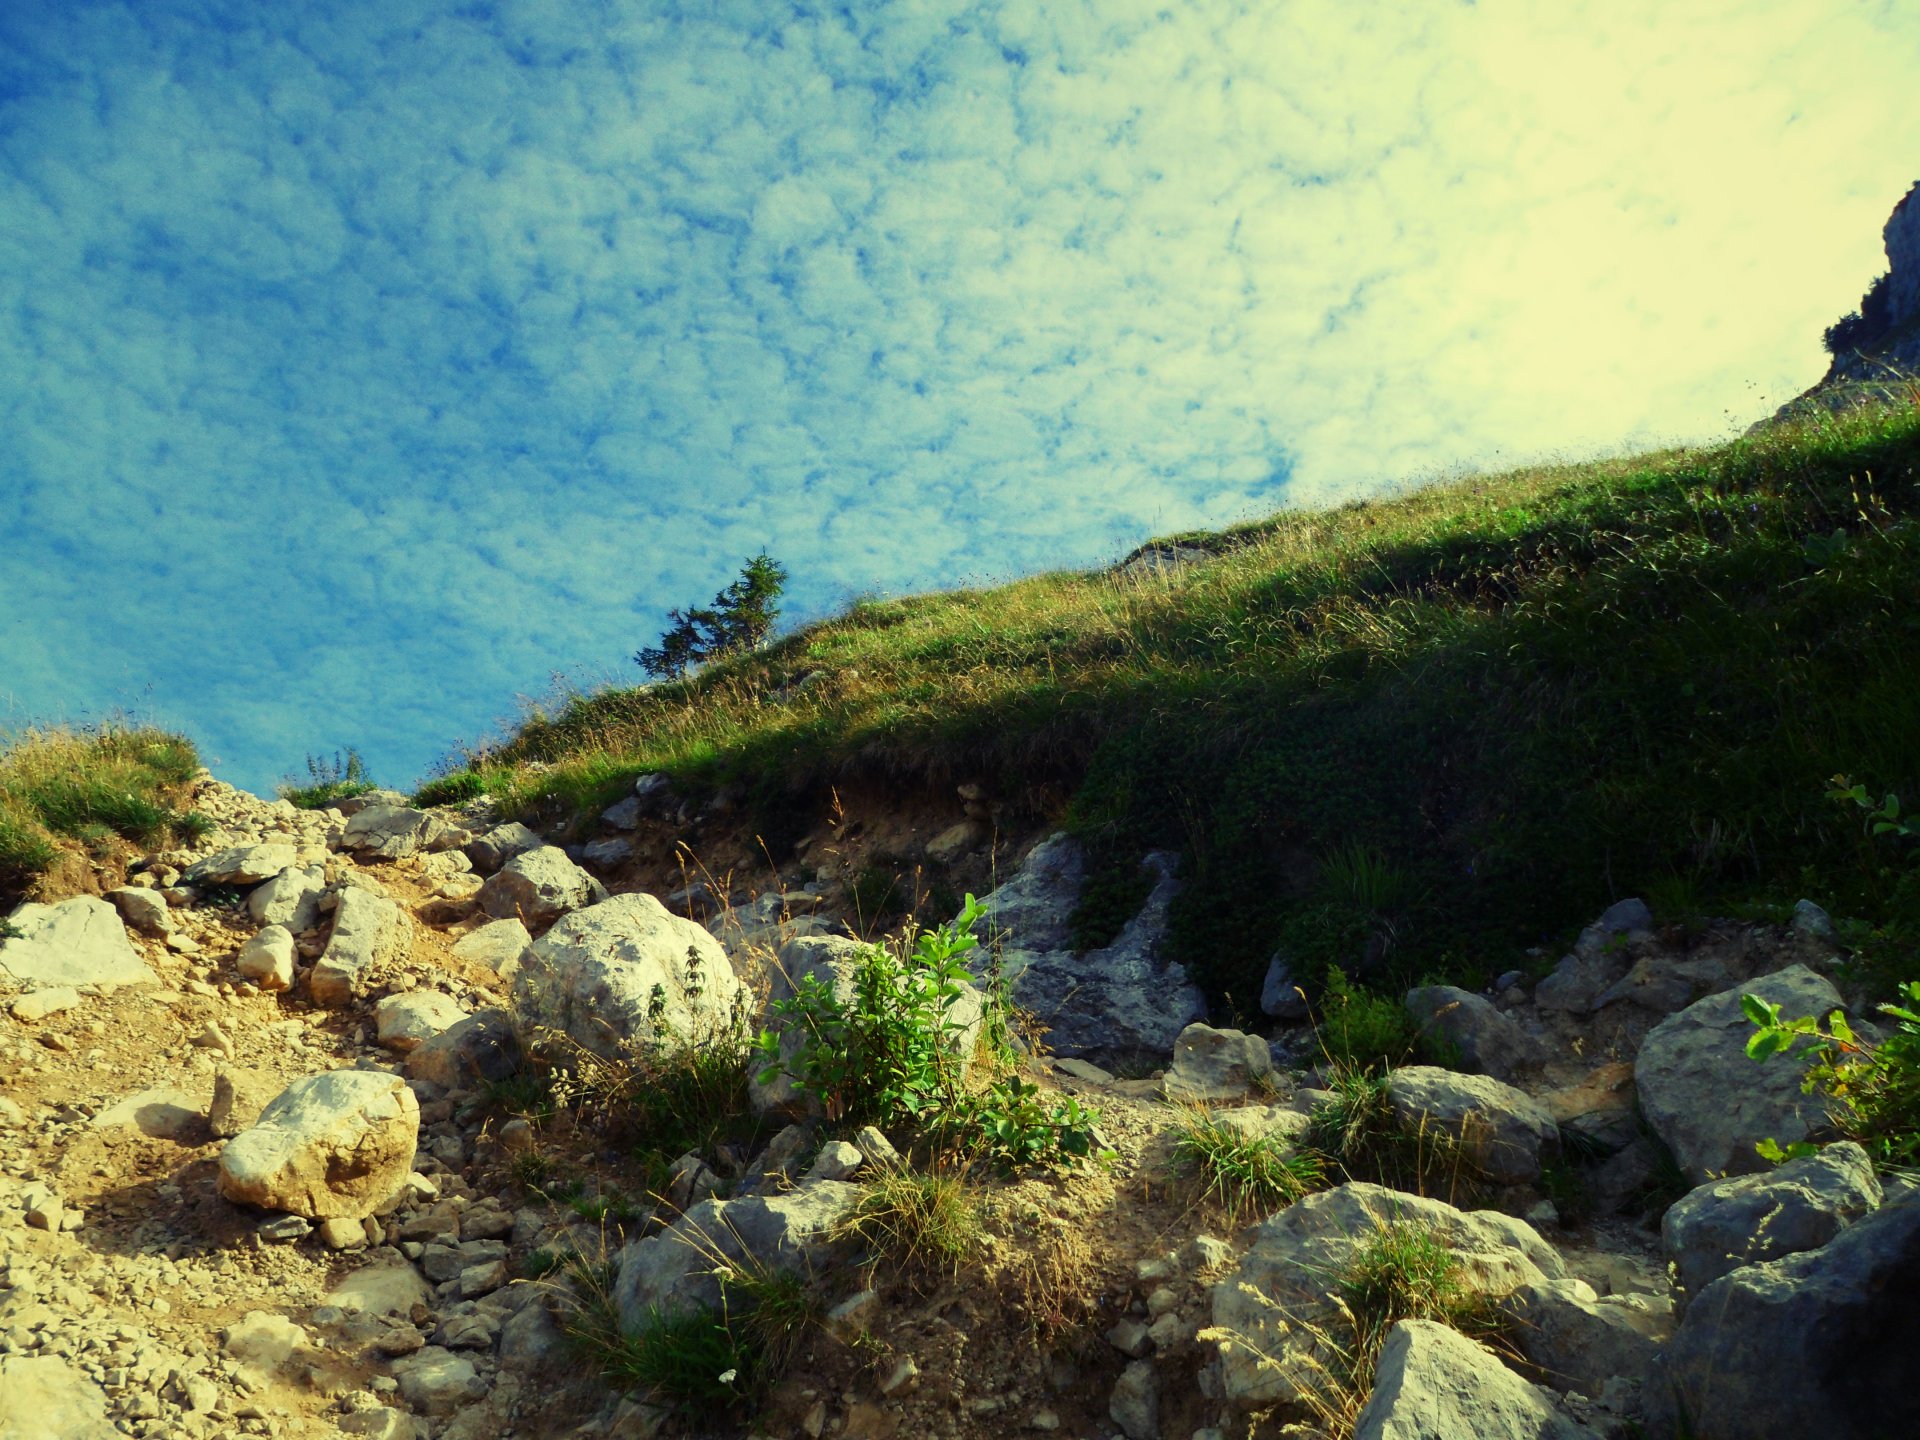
x=405, y=1021
x=626, y=972
x=1502, y=1132
x=1280, y=1294
x=75, y=942
x=392, y=832
x=437, y=1382
x=262, y=1342
x=1126, y=998
x=1280, y=993
x=674, y=1268
x=482, y=1047
x=332, y=1144
x=1211, y=1064
x=37, y=1005
x=162, y=1112
x=42, y=1397
x=242, y=865
x=367, y=929
x=291, y=898
x=1433, y=1383
x=833, y=960
x=1709, y=1102
x=1579, y=1341
x=537, y=886
x=268, y=958
x=143, y=909
x=239, y=1095
x=1800, y=1206
x=499, y=946
x=1815, y=1344
x=1135, y=1403
x=500, y=844
x=1487, y=1041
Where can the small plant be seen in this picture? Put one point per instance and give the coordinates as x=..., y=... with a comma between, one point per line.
x=888, y=1054
x=1244, y=1173
x=604, y=1205
x=1357, y=1028
x=329, y=780
x=1874, y=1091
x=1404, y=1272
x=539, y=1264
x=1012, y=1126
x=686, y=1360
x=921, y=1221
x=1362, y=1139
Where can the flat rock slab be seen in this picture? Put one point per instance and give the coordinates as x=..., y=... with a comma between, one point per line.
x=387, y=1287
x=332, y=1145
x=76, y=942
x=165, y=1112
x=499, y=945
x=44, y=1398
x=405, y=1021
x=242, y=865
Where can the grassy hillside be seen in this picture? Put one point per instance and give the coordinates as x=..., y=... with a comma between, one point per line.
x=61, y=788
x=1410, y=737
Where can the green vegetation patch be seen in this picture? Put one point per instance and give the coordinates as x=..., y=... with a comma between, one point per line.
x=89, y=786
x=1405, y=737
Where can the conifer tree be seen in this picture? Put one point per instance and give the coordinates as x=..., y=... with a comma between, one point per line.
x=740, y=618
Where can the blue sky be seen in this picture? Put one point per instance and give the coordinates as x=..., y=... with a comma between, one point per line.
x=364, y=365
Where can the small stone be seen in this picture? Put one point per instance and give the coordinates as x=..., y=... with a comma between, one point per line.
x=342, y=1233
x=212, y=1037
x=901, y=1376
x=837, y=1160
x=483, y=1279
x=284, y=1230
x=875, y=1146
x=39, y=1004
x=268, y=958
x=1129, y=1337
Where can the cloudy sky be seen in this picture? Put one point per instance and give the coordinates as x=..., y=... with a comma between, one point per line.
x=364, y=364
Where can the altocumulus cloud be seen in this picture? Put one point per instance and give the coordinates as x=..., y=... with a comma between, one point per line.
x=365, y=363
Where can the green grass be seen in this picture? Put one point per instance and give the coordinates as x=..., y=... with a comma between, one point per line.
x=919, y=1221
x=1404, y=1272
x=88, y=786
x=1409, y=736
x=1246, y=1174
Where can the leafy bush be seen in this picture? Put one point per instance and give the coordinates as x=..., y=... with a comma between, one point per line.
x=1358, y=1028
x=329, y=780
x=1244, y=1173
x=1873, y=1090
x=890, y=1053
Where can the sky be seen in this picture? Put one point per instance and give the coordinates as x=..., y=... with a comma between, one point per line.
x=364, y=366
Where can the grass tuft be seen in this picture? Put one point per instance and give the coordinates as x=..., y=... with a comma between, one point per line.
x=1246, y=1174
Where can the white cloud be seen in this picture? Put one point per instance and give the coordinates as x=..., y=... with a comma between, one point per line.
x=381, y=360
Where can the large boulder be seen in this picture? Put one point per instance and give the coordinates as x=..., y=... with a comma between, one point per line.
x=537, y=886
x=1579, y=1340
x=242, y=865
x=1467, y=1024
x=1124, y=999
x=499, y=946
x=367, y=930
x=1281, y=1300
x=42, y=1397
x=1725, y=1224
x=1211, y=1064
x=490, y=851
x=392, y=832
x=1433, y=1383
x=1708, y=1101
x=291, y=898
x=834, y=961
x=332, y=1145
x=628, y=973
x=75, y=942
x=674, y=1269
x=1815, y=1344
x=1501, y=1131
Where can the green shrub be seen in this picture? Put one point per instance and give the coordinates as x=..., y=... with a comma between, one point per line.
x=890, y=1053
x=1873, y=1090
x=1362, y=1139
x=1244, y=1173
x=451, y=789
x=1358, y=1028
x=328, y=781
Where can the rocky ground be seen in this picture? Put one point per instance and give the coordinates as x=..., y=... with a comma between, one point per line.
x=261, y=1171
